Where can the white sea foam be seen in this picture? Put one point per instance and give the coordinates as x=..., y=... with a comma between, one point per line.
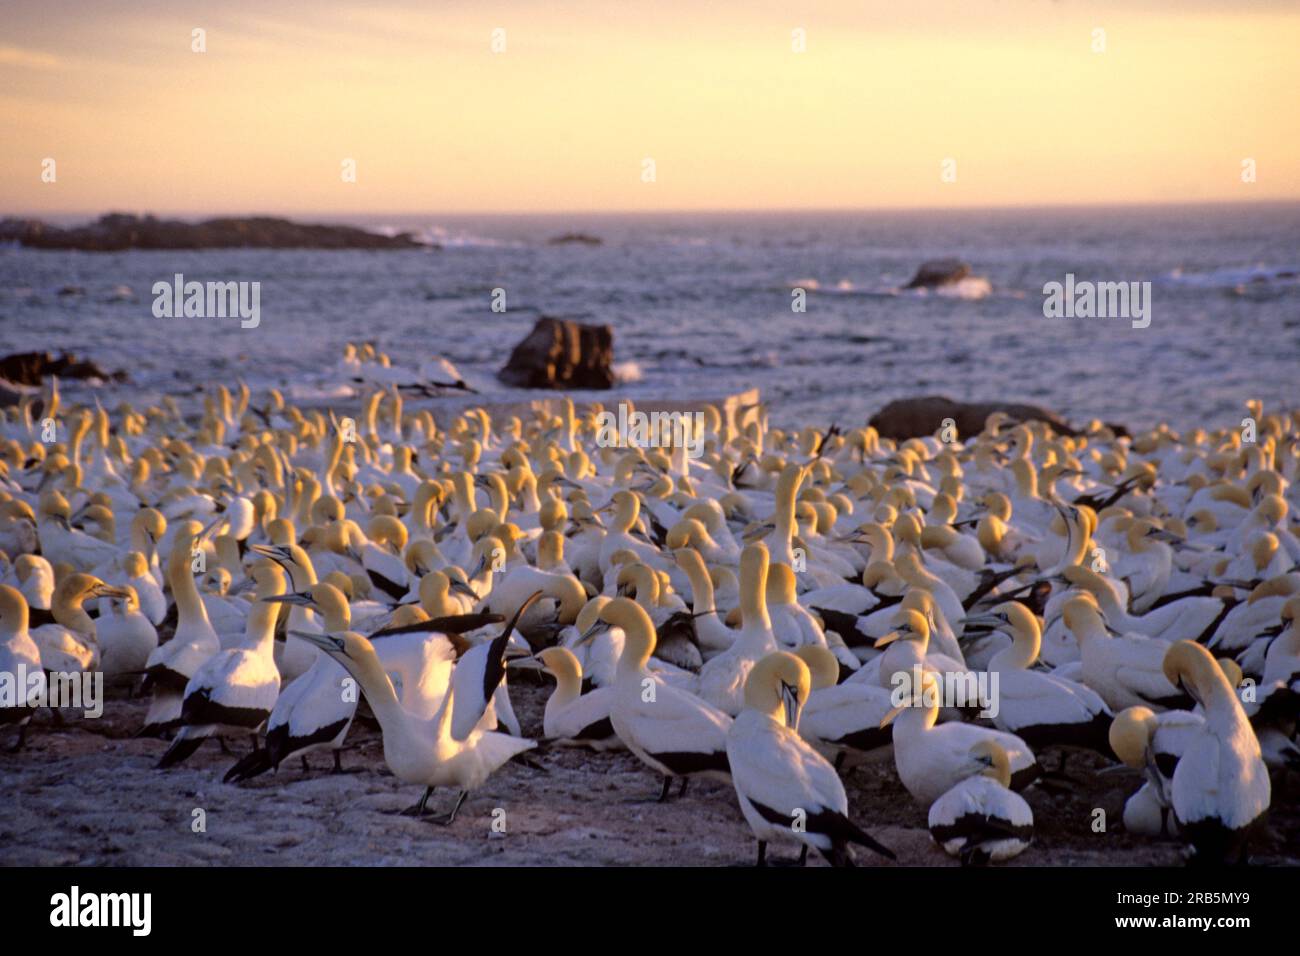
x=627, y=372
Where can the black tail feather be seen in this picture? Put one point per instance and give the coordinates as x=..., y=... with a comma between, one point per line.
x=180, y=750
x=249, y=766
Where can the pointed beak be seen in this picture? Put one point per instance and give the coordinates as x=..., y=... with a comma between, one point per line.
x=107, y=590
x=331, y=645
x=888, y=638
x=790, y=701
x=890, y=717
x=274, y=552
x=210, y=528
x=293, y=597
x=460, y=587
x=590, y=633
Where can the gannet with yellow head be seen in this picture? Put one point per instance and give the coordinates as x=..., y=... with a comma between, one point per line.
x=18, y=655
x=571, y=717
x=234, y=690
x=671, y=730
x=722, y=678
x=933, y=758
x=70, y=644
x=980, y=820
x=425, y=749
x=787, y=791
x=1220, y=792
x=1040, y=708
x=312, y=712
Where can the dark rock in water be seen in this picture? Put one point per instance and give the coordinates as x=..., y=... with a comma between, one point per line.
x=559, y=353
x=938, y=272
x=71, y=290
x=123, y=231
x=31, y=368
x=574, y=239
x=918, y=417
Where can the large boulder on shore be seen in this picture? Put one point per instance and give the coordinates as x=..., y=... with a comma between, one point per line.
x=918, y=417
x=560, y=353
x=938, y=272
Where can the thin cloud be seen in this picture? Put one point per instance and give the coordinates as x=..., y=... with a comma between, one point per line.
x=31, y=59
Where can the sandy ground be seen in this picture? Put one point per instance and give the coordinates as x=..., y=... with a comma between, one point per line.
x=87, y=794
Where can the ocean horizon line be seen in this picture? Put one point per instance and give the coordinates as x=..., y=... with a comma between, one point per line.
x=358, y=215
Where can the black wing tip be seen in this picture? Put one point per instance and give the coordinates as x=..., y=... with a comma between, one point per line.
x=249, y=766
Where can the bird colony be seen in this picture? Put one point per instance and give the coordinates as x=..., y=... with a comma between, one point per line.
x=770, y=612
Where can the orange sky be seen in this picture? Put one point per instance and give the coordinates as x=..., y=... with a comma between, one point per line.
x=585, y=92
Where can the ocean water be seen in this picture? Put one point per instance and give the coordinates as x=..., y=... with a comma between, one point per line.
x=701, y=306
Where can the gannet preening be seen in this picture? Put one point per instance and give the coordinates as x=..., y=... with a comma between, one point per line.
x=980, y=820
x=1220, y=790
x=933, y=758
x=234, y=690
x=1124, y=670
x=421, y=749
x=18, y=654
x=1153, y=744
x=674, y=732
x=788, y=792
x=572, y=717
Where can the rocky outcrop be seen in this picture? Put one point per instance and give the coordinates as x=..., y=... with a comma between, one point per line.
x=117, y=231
x=918, y=417
x=32, y=368
x=938, y=272
x=559, y=353
x=574, y=239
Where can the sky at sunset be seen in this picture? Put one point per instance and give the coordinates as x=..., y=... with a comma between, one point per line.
x=564, y=118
